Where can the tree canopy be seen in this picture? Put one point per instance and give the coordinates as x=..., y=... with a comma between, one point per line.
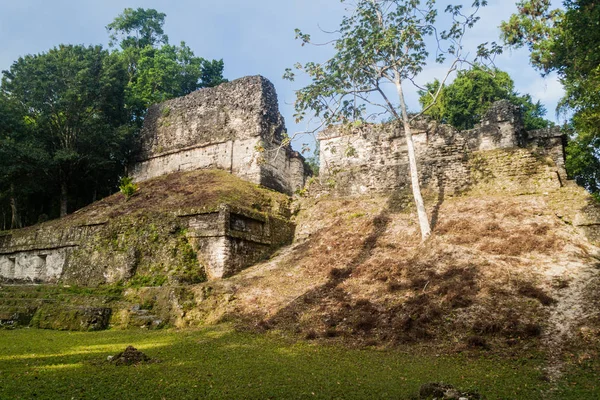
x=73, y=97
x=464, y=102
x=157, y=70
x=383, y=44
x=68, y=116
x=138, y=28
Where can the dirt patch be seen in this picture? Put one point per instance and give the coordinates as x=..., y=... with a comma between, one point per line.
x=131, y=356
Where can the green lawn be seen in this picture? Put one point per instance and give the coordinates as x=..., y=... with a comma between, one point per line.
x=219, y=363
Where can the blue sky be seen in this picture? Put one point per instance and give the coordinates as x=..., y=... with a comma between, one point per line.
x=253, y=37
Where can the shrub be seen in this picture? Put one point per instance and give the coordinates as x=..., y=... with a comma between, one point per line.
x=127, y=187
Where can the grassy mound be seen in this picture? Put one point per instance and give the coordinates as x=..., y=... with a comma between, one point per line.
x=142, y=239
x=181, y=192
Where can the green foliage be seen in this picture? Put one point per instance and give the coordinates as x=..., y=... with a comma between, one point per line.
x=127, y=187
x=229, y=361
x=72, y=100
x=534, y=26
x=21, y=159
x=583, y=161
x=566, y=42
x=187, y=270
x=169, y=72
x=380, y=42
x=137, y=28
x=212, y=73
x=157, y=71
x=69, y=117
x=464, y=102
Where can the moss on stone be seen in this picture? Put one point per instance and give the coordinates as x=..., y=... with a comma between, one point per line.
x=61, y=317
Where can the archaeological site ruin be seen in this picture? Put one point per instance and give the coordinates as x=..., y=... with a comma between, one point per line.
x=216, y=175
x=235, y=127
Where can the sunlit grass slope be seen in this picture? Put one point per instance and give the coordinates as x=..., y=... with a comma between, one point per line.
x=219, y=363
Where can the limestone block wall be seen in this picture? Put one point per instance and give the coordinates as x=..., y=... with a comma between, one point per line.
x=225, y=242
x=34, y=266
x=38, y=255
x=549, y=142
x=501, y=128
x=373, y=157
x=232, y=240
x=236, y=127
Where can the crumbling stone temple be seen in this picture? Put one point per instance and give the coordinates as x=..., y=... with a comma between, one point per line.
x=373, y=157
x=235, y=127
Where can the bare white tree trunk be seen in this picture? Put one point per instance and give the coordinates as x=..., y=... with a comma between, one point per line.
x=412, y=162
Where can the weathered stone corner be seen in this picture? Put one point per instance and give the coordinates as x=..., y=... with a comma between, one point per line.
x=233, y=239
x=235, y=127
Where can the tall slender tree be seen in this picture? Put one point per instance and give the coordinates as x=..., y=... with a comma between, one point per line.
x=379, y=43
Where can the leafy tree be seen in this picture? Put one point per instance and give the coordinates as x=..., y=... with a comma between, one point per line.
x=74, y=98
x=212, y=73
x=138, y=29
x=171, y=71
x=69, y=117
x=464, y=102
x=533, y=113
x=21, y=159
x=566, y=42
x=379, y=43
x=157, y=71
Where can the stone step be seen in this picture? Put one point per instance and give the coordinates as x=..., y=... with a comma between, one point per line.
x=16, y=316
x=143, y=318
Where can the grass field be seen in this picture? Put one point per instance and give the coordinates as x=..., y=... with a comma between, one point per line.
x=219, y=363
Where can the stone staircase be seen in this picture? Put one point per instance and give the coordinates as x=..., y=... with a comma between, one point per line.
x=55, y=307
x=74, y=308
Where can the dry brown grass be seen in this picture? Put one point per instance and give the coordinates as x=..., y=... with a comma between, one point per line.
x=401, y=292
x=500, y=229
x=181, y=191
x=361, y=275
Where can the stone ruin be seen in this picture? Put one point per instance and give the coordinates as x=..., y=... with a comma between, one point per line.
x=373, y=157
x=234, y=127
x=237, y=127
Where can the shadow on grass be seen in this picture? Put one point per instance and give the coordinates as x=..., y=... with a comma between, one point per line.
x=200, y=365
x=292, y=312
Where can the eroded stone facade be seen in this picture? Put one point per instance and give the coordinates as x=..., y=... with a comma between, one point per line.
x=225, y=242
x=235, y=127
x=373, y=157
x=234, y=239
